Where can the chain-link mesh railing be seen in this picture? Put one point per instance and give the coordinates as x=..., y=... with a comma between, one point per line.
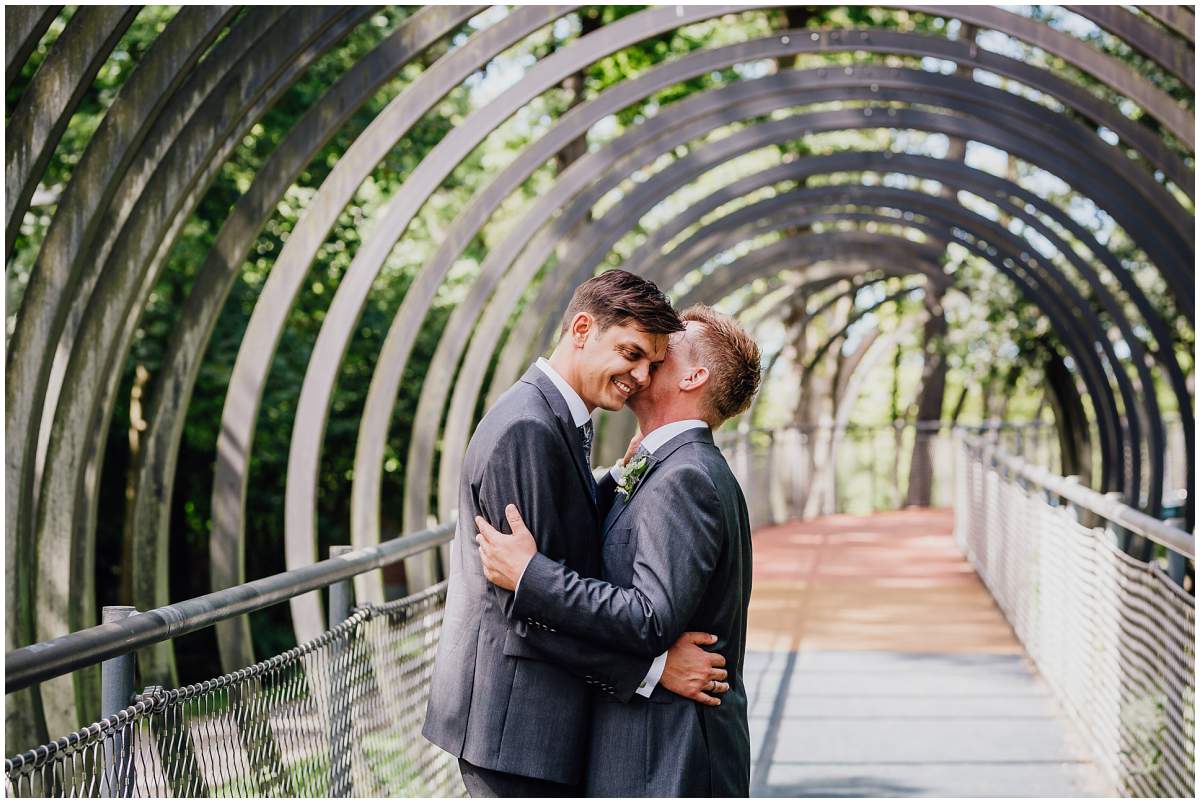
x=340, y=715
x=1114, y=637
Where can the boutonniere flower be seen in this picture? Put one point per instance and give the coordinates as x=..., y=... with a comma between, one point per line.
x=630, y=476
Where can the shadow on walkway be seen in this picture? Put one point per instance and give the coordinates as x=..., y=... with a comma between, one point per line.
x=879, y=666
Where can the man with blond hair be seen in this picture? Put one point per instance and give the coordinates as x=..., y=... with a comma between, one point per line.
x=676, y=558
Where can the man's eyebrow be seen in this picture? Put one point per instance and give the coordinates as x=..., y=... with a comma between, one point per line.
x=632, y=347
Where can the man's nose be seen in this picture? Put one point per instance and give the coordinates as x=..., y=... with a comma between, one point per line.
x=642, y=374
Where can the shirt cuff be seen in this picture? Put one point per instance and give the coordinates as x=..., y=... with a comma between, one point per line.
x=648, y=684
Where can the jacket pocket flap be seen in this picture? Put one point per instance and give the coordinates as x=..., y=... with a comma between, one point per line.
x=517, y=647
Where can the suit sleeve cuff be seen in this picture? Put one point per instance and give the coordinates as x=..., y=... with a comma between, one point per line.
x=539, y=572
x=650, y=682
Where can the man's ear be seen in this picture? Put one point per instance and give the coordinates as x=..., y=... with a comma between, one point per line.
x=694, y=379
x=581, y=326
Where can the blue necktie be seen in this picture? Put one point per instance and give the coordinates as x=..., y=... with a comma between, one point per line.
x=586, y=431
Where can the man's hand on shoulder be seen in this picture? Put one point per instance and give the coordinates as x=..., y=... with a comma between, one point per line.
x=505, y=557
x=694, y=672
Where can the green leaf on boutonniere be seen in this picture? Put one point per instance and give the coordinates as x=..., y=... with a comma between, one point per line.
x=631, y=475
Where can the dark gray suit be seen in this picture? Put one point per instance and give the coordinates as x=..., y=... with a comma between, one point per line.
x=495, y=700
x=677, y=557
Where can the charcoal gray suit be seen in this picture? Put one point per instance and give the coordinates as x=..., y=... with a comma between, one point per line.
x=496, y=701
x=677, y=557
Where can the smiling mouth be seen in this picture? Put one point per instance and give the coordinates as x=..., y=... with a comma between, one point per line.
x=626, y=389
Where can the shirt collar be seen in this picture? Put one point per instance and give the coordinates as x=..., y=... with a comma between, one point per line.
x=659, y=437
x=579, y=411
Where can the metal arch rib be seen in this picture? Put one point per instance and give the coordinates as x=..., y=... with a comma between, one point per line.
x=766, y=215
x=393, y=358
x=57, y=285
x=1106, y=69
x=1060, y=314
x=920, y=120
x=172, y=386
x=23, y=29
x=1178, y=18
x=386, y=379
x=997, y=191
x=333, y=339
x=239, y=415
x=774, y=213
x=42, y=113
x=83, y=415
x=92, y=183
x=1049, y=304
x=487, y=318
x=1163, y=48
x=63, y=279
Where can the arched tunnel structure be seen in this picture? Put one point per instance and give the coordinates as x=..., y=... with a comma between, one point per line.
x=838, y=151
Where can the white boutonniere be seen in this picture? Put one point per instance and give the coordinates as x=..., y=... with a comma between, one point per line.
x=631, y=475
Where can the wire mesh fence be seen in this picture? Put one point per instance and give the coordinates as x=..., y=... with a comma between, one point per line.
x=338, y=716
x=1114, y=637
x=805, y=472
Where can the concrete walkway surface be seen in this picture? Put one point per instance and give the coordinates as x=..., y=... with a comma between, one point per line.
x=879, y=666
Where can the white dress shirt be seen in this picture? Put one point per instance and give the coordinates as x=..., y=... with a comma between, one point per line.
x=580, y=416
x=579, y=410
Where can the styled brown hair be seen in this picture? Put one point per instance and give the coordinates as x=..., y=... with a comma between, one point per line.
x=617, y=297
x=732, y=359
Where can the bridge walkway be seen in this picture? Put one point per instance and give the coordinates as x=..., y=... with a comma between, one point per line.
x=879, y=665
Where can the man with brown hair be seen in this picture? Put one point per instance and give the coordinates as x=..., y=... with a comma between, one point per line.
x=676, y=558
x=506, y=695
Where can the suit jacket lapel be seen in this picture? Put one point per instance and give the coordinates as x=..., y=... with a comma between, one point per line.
x=660, y=456
x=536, y=377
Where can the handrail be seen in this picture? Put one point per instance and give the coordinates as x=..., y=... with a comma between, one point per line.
x=48, y=659
x=1135, y=521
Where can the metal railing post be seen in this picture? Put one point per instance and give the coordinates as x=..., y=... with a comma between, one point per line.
x=116, y=693
x=1176, y=563
x=341, y=784
x=1118, y=535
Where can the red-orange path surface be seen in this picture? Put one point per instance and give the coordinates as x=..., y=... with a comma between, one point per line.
x=890, y=581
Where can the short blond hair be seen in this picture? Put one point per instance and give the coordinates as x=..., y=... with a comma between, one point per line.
x=733, y=361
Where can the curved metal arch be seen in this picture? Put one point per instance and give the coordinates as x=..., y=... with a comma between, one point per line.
x=997, y=190
x=172, y=386
x=766, y=214
x=24, y=27
x=856, y=315
x=804, y=125
x=1178, y=18
x=1114, y=74
x=630, y=204
x=775, y=213
x=68, y=268
x=1049, y=303
x=65, y=520
x=304, y=491
x=338, y=327
x=364, y=515
x=108, y=154
x=1097, y=387
x=239, y=416
x=539, y=305
x=1159, y=46
x=459, y=329
x=46, y=106
x=1060, y=315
